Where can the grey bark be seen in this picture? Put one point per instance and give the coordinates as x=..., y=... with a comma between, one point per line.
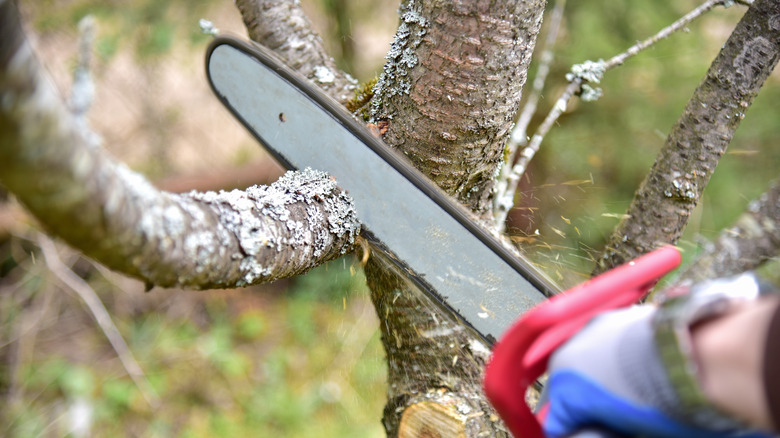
x=431, y=358
x=451, y=86
x=752, y=240
x=195, y=240
x=449, y=90
x=663, y=204
x=282, y=26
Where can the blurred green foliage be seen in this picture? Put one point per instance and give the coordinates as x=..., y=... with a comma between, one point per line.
x=307, y=363
x=147, y=27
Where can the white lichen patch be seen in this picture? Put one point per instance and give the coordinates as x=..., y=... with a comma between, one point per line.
x=401, y=58
x=295, y=220
x=324, y=75
x=683, y=187
x=478, y=348
x=173, y=219
x=588, y=71
x=200, y=245
x=253, y=271
x=590, y=94
x=441, y=331
x=207, y=27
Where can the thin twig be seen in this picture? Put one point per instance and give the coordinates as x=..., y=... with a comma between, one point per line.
x=664, y=33
x=592, y=72
x=555, y=112
x=519, y=132
x=102, y=317
x=519, y=138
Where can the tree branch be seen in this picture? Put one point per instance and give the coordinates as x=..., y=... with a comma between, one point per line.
x=663, y=203
x=196, y=240
x=282, y=26
x=751, y=241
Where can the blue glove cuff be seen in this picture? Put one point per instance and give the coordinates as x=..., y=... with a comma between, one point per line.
x=576, y=402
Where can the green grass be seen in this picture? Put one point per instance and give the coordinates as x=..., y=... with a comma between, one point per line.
x=302, y=363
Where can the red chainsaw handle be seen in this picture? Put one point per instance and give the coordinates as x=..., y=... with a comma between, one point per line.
x=521, y=355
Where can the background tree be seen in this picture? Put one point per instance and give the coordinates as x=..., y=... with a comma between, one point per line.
x=449, y=91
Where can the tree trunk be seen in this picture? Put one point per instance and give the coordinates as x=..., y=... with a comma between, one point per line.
x=449, y=90
x=451, y=87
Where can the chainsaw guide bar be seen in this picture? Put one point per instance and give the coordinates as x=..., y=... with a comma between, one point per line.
x=415, y=225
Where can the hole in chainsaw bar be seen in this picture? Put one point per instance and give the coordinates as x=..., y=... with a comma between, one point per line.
x=282, y=117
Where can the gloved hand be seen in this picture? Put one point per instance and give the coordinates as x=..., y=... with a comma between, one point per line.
x=610, y=375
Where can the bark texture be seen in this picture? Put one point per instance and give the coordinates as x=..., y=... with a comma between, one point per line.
x=196, y=240
x=435, y=364
x=452, y=85
x=663, y=204
x=282, y=26
x=751, y=241
x=449, y=90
